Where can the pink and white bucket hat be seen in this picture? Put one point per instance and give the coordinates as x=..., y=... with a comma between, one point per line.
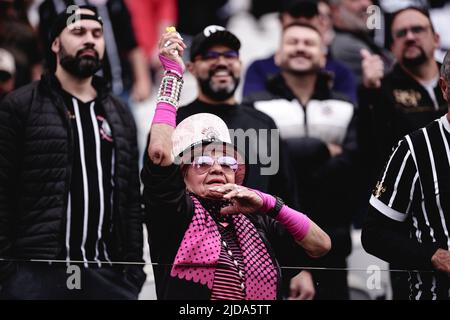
x=203, y=133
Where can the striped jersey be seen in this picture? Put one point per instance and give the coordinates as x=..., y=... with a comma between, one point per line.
x=415, y=188
x=89, y=209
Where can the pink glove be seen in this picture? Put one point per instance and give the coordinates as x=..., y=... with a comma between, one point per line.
x=165, y=114
x=296, y=223
x=170, y=65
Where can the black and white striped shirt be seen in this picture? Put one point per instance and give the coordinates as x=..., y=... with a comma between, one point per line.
x=89, y=210
x=415, y=188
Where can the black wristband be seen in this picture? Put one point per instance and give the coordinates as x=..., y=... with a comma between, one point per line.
x=276, y=209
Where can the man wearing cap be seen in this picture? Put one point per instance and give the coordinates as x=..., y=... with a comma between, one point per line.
x=125, y=64
x=7, y=72
x=69, y=184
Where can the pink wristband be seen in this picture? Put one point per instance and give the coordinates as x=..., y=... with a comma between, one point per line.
x=268, y=201
x=165, y=114
x=170, y=65
x=296, y=223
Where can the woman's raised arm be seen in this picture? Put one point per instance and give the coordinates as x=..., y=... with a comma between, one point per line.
x=171, y=49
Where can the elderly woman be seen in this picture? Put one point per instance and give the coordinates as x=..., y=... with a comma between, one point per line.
x=210, y=237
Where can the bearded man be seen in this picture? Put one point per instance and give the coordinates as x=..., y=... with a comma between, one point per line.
x=69, y=181
x=405, y=99
x=400, y=102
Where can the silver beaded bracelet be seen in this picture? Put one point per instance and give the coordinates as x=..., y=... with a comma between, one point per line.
x=170, y=89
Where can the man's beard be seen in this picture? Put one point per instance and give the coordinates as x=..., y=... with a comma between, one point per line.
x=80, y=67
x=218, y=92
x=416, y=61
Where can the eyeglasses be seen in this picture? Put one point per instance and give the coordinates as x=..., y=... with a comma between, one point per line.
x=229, y=55
x=203, y=164
x=415, y=30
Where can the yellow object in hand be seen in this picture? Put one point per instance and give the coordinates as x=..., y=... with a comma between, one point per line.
x=171, y=29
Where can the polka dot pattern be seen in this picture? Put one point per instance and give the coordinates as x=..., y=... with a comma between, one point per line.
x=261, y=274
x=199, y=253
x=199, y=250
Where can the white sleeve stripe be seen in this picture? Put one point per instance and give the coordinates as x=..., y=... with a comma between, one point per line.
x=399, y=176
x=387, y=211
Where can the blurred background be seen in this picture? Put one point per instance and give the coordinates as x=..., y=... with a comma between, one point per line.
x=24, y=26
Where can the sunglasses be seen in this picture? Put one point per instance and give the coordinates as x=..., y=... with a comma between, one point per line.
x=215, y=55
x=415, y=30
x=203, y=164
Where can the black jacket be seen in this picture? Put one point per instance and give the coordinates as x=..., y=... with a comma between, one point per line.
x=36, y=148
x=399, y=107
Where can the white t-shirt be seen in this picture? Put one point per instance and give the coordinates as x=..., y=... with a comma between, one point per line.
x=429, y=86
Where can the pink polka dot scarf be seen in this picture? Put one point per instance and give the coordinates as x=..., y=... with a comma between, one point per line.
x=199, y=253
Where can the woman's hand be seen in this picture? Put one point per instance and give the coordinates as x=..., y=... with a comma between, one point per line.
x=171, y=49
x=171, y=46
x=243, y=200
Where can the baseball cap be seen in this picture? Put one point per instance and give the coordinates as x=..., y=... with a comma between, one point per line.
x=210, y=36
x=64, y=19
x=7, y=63
x=68, y=16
